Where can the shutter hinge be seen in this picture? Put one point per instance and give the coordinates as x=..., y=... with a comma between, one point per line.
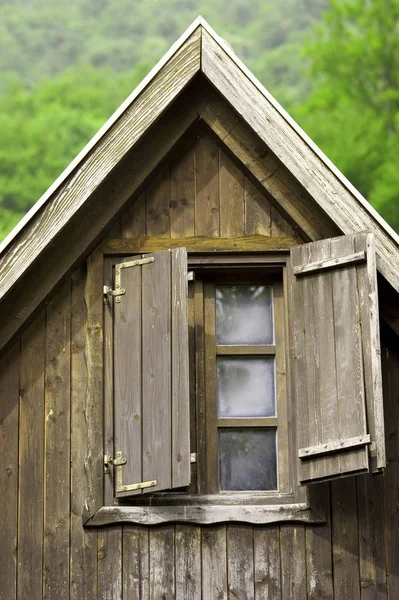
x=191, y=276
x=119, y=290
x=118, y=463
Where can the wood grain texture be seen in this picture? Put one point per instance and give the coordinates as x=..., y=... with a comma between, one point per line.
x=267, y=572
x=182, y=194
x=214, y=571
x=135, y=563
x=188, y=562
x=231, y=197
x=110, y=149
x=293, y=565
x=127, y=374
x=133, y=219
x=207, y=197
x=300, y=158
x=258, y=219
x=83, y=542
x=109, y=564
x=162, y=564
x=31, y=461
x=345, y=539
x=158, y=204
x=87, y=229
x=57, y=410
x=9, y=420
x=240, y=562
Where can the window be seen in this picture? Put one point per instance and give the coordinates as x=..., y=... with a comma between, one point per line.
x=244, y=408
x=283, y=388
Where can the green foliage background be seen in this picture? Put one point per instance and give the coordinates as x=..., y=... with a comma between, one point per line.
x=66, y=66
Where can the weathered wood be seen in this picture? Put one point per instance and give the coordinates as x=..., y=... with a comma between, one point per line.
x=257, y=210
x=250, y=243
x=371, y=345
x=214, y=576
x=334, y=446
x=267, y=563
x=345, y=540
x=57, y=403
x=133, y=220
x=309, y=166
x=83, y=542
x=109, y=564
x=330, y=263
x=293, y=565
x=252, y=350
x=287, y=194
x=109, y=383
x=205, y=514
x=188, y=562
x=158, y=204
x=9, y=420
x=31, y=483
x=207, y=198
x=54, y=263
x=240, y=562
x=135, y=563
x=156, y=365
x=231, y=197
x=318, y=548
x=182, y=195
x=181, y=466
x=200, y=385
x=110, y=149
x=280, y=225
x=127, y=371
x=370, y=507
x=162, y=564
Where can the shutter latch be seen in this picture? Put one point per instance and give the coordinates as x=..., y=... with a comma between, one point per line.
x=118, y=463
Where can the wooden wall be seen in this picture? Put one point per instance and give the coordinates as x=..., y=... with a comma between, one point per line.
x=46, y=553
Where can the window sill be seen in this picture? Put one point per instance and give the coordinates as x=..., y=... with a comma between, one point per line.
x=198, y=514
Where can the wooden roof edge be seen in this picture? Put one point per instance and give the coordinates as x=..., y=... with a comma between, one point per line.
x=199, y=21
x=298, y=129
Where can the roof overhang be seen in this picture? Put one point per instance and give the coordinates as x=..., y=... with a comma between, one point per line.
x=199, y=50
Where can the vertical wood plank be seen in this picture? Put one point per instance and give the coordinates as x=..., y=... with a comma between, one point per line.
x=30, y=505
x=192, y=383
x=157, y=204
x=57, y=445
x=181, y=465
x=108, y=383
x=231, y=197
x=135, y=563
x=240, y=562
x=293, y=562
x=110, y=563
x=83, y=542
x=390, y=371
x=133, y=220
x=345, y=539
x=199, y=341
x=9, y=405
x=257, y=210
x=127, y=363
x=370, y=498
x=188, y=562
x=162, y=564
x=267, y=563
x=318, y=548
x=214, y=562
x=182, y=195
x=207, y=202
x=156, y=336
x=279, y=225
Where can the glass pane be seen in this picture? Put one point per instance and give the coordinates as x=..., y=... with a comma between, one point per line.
x=245, y=386
x=244, y=315
x=247, y=459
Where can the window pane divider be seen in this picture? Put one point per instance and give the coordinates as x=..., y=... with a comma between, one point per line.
x=247, y=422
x=245, y=350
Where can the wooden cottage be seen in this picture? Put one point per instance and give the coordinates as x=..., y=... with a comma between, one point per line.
x=196, y=366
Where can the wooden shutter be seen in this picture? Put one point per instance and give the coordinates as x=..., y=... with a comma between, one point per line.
x=336, y=355
x=151, y=396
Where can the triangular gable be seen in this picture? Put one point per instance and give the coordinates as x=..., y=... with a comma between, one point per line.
x=199, y=50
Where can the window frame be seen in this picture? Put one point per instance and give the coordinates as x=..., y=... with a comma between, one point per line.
x=306, y=504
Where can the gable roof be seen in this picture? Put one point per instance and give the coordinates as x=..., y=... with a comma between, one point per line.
x=199, y=50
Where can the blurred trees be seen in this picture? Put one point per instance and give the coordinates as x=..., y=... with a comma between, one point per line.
x=65, y=67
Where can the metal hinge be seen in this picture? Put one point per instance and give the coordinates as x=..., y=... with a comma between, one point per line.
x=118, y=463
x=119, y=290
